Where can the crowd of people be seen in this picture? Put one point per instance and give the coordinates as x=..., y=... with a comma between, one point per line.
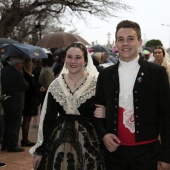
x=24, y=82
x=98, y=112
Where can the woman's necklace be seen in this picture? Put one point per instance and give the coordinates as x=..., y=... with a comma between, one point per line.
x=75, y=82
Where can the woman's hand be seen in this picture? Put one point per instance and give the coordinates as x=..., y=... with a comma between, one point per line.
x=36, y=161
x=99, y=111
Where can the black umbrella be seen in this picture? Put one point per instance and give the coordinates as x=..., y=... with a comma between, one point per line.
x=25, y=50
x=148, y=49
x=59, y=50
x=100, y=48
x=7, y=41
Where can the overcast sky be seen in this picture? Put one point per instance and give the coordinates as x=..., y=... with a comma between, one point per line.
x=150, y=14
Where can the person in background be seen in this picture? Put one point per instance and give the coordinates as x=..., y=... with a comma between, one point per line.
x=58, y=65
x=97, y=61
x=13, y=85
x=67, y=138
x=37, y=65
x=105, y=58
x=46, y=76
x=159, y=55
x=2, y=97
x=31, y=102
x=134, y=96
x=152, y=58
x=6, y=61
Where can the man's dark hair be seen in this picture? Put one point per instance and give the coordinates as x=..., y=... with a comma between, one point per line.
x=129, y=24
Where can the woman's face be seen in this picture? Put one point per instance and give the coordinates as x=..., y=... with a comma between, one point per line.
x=74, y=60
x=158, y=54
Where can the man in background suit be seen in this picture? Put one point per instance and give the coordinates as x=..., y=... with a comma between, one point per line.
x=14, y=86
x=1, y=118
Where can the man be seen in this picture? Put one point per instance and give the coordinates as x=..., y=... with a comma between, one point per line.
x=14, y=86
x=1, y=118
x=96, y=57
x=135, y=96
x=105, y=58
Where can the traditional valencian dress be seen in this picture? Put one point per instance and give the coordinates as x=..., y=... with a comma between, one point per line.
x=69, y=138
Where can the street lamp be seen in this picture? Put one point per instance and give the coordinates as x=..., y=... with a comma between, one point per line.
x=168, y=25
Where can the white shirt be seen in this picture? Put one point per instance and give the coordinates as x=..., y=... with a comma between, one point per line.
x=127, y=76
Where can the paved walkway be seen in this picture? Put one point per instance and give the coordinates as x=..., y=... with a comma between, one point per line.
x=21, y=160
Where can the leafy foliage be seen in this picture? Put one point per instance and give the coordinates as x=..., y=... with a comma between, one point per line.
x=153, y=43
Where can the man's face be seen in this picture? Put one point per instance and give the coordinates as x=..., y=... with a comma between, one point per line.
x=127, y=44
x=103, y=58
x=20, y=65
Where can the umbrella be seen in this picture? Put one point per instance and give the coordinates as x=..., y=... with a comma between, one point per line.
x=90, y=50
x=59, y=50
x=7, y=41
x=25, y=50
x=148, y=49
x=145, y=52
x=100, y=48
x=59, y=40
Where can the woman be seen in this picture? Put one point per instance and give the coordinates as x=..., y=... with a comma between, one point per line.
x=69, y=138
x=31, y=102
x=159, y=55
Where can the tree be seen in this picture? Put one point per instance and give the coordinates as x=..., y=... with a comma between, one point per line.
x=153, y=43
x=19, y=14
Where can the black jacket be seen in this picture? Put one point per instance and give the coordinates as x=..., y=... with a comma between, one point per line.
x=13, y=85
x=151, y=104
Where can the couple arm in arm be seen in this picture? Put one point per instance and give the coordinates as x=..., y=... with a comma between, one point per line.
x=111, y=141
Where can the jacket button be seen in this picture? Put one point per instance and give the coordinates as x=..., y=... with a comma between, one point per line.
x=135, y=91
x=138, y=124
x=136, y=100
x=136, y=116
x=137, y=131
x=136, y=107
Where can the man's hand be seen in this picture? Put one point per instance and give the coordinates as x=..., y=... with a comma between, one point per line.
x=163, y=166
x=111, y=142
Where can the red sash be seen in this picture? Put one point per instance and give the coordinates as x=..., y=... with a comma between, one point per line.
x=124, y=134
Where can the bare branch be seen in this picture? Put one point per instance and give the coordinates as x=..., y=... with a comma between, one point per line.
x=15, y=12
